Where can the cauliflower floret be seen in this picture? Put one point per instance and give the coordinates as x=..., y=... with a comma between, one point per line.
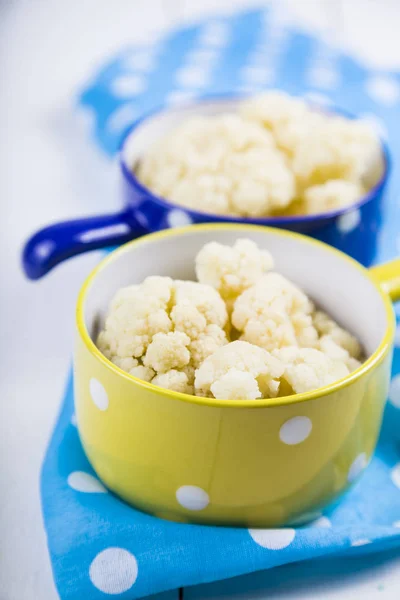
x=327, y=326
x=232, y=269
x=331, y=195
x=174, y=380
x=126, y=364
x=307, y=369
x=260, y=161
x=203, y=297
x=133, y=367
x=168, y=351
x=175, y=334
x=137, y=313
x=163, y=324
x=338, y=149
x=233, y=358
x=220, y=164
x=206, y=344
x=330, y=348
x=274, y=110
x=236, y=385
x=274, y=313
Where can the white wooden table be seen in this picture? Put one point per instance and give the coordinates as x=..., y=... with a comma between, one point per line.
x=49, y=170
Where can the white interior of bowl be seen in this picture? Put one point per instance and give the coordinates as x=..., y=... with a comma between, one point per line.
x=333, y=282
x=156, y=126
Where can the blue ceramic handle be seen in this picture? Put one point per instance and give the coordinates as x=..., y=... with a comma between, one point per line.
x=54, y=244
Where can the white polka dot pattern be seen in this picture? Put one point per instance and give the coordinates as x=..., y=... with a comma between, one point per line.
x=295, y=430
x=128, y=85
x=98, y=394
x=357, y=466
x=361, y=542
x=383, y=89
x=349, y=221
x=122, y=118
x=192, y=497
x=318, y=99
x=395, y=475
x=323, y=77
x=114, y=571
x=84, y=482
x=273, y=539
x=394, y=391
x=321, y=522
x=178, y=218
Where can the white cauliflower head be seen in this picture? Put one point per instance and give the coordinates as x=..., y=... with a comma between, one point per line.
x=163, y=325
x=167, y=351
x=327, y=326
x=222, y=371
x=338, y=149
x=178, y=381
x=332, y=195
x=175, y=333
x=307, y=369
x=220, y=164
x=274, y=313
x=232, y=269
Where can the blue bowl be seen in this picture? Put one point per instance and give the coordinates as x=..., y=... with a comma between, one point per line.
x=353, y=230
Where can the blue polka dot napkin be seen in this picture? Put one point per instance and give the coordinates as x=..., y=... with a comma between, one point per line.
x=99, y=546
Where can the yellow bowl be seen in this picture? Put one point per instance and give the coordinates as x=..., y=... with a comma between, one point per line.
x=254, y=463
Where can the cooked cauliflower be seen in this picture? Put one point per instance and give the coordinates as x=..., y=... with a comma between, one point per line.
x=232, y=269
x=274, y=313
x=239, y=370
x=331, y=195
x=338, y=149
x=220, y=164
x=178, y=381
x=276, y=156
x=330, y=348
x=327, y=326
x=163, y=325
x=182, y=335
x=307, y=369
x=167, y=351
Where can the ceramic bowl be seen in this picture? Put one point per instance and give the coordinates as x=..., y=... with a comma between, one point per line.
x=353, y=230
x=258, y=463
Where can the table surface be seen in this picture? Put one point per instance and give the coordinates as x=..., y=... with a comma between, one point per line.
x=50, y=170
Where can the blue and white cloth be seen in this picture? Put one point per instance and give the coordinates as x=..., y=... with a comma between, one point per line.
x=99, y=546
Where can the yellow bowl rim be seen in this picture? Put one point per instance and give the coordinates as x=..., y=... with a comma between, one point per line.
x=367, y=366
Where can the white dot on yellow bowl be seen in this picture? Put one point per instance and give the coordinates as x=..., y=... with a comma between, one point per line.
x=98, y=394
x=273, y=539
x=357, y=466
x=113, y=571
x=295, y=430
x=192, y=497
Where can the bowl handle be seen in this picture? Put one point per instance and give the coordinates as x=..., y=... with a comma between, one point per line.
x=388, y=277
x=55, y=243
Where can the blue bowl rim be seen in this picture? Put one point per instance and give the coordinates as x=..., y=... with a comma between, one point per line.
x=269, y=221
